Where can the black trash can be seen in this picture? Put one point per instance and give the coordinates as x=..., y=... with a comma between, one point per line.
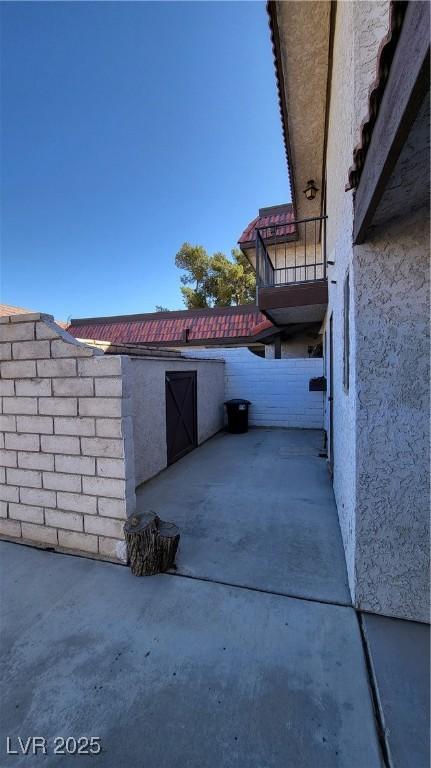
x=237, y=415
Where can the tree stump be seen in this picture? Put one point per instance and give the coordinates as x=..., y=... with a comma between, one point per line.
x=151, y=543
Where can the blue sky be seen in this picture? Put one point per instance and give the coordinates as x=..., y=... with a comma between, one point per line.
x=129, y=128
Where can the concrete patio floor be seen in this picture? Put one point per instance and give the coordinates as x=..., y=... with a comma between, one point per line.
x=256, y=510
x=248, y=656
x=399, y=653
x=173, y=672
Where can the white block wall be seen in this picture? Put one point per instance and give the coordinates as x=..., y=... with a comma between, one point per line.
x=66, y=442
x=277, y=389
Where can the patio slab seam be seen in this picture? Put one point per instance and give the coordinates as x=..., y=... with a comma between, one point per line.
x=372, y=682
x=261, y=590
x=209, y=580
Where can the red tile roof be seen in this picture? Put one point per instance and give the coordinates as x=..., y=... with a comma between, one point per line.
x=280, y=216
x=385, y=55
x=220, y=323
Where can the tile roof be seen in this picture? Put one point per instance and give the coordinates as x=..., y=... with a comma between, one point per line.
x=385, y=55
x=281, y=216
x=223, y=323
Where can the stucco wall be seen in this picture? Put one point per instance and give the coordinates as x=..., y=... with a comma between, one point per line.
x=146, y=381
x=339, y=250
x=278, y=389
x=297, y=348
x=66, y=449
x=370, y=24
x=392, y=311
x=380, y=449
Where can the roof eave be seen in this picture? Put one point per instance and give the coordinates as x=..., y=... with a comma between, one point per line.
x=275, y=40
x=305, y=152
x=168, y=315
x=172, y=343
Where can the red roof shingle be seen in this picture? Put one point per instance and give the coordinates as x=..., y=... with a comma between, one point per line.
x=385, y=54
x=280, y=216
x=224, y=323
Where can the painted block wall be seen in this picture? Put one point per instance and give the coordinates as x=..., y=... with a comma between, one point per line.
x=277, y=389
x=146, y=383
x=66, y=446
x=297, y=347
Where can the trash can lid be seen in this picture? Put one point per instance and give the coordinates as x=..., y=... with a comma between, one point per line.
x=237, y=401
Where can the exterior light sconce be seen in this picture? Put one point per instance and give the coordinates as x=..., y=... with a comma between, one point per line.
x=310, y=190
x=330, y=263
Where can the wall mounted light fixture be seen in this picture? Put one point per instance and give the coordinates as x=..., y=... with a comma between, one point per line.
x=310, y=190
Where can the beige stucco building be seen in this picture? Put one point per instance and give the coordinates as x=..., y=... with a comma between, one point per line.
x=353, y=81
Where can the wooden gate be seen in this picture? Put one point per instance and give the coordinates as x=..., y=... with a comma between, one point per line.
x=181, y=414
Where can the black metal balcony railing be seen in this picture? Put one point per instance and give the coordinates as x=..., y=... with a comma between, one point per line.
x=291, y=253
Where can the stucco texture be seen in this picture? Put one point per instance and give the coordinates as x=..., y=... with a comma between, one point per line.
x=339, y=251
x=392, y=310
x=146, y=380
x=380, y=435
x=370, y=23
x=304, y=26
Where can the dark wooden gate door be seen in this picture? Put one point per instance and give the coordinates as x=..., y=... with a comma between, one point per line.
x=181, y=414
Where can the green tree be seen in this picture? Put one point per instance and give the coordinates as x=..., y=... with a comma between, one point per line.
x=195, y=262
x=159, y=308
x=215, y=280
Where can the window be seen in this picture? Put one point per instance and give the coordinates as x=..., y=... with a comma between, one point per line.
x=346, y=351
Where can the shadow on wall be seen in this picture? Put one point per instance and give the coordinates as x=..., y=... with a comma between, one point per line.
x=277, y=389
x=146, y=382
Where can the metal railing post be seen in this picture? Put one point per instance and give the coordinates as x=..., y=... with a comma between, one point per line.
x=268, y=276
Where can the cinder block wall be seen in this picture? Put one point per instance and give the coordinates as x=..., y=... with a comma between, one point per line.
x=278, y=389
x=66, y=440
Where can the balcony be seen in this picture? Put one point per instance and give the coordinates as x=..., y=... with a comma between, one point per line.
x=291, y=271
